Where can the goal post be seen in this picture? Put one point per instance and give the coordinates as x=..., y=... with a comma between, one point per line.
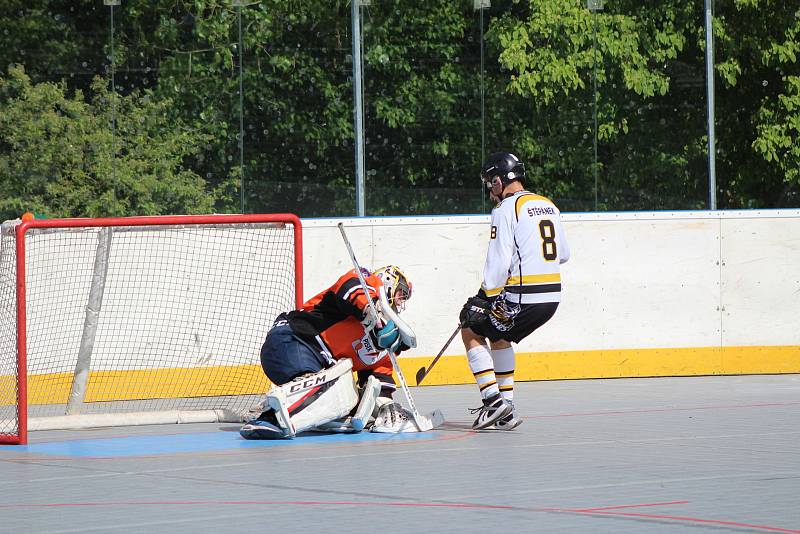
x=139, y=320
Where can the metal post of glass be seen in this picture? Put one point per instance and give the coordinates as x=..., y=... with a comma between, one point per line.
x=238, y=4
x=358, y=109
x=480, y=5
x=712, y=167
x=111, y=4
x=594, y=6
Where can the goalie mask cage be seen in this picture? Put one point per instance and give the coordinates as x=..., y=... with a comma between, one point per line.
x=139, y=320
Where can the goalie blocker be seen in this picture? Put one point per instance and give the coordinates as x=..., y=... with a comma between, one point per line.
x=323, y=401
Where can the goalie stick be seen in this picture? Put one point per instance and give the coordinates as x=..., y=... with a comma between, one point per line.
x=422, y=422
x=423, y=372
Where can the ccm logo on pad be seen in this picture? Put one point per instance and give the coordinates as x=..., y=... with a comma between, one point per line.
x=309, y=382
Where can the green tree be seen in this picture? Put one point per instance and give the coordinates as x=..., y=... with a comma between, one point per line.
x=423, y=114
x=553, y=50
x=652, y=103
x=55, y=40
x=421, y=98
x=424, y=88
x=758, y=54
x=296, y=99
x=61, y=156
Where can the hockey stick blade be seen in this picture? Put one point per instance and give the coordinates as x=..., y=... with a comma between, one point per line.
x=421, y=375
x=423, y=372
x=433, y=420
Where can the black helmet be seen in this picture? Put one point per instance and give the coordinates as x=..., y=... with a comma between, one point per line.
x=505, y=165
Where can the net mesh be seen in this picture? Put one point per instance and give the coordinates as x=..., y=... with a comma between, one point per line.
x=182, y=313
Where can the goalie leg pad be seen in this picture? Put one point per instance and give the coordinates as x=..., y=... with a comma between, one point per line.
x=312, y=400
x=366, y=405
x=362, y=414
x=337, y=426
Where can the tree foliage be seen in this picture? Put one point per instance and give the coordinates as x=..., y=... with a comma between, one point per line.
x=61, y=156
x=444, y=85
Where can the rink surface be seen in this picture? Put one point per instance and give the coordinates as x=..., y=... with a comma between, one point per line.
x=700, y=454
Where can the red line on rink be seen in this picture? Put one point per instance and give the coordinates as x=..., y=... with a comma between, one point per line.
x=607, y=511
x=245, y=503
x=587, y=511
x=689, y=520
x=629, y=506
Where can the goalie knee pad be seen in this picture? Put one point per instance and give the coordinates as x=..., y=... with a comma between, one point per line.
x=314, y=399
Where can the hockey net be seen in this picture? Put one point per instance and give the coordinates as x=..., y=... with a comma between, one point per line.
x=113, y=322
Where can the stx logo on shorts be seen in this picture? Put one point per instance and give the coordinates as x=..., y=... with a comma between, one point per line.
x=307, y=383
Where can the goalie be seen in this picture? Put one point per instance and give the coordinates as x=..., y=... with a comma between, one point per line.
x=310, y=355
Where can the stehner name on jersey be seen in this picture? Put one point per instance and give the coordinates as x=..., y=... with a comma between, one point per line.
x=537, y=210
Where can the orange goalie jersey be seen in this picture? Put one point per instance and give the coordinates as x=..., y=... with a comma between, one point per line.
x=330, y=322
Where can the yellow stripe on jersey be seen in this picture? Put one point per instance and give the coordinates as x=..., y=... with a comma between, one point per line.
x=534, y=279
x=527, y=279
x=483, y=373
x=522, y=199
x=493, y=292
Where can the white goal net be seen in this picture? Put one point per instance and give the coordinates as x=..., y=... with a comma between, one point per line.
x=108, y=322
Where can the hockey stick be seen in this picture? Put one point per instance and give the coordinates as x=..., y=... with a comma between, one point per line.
x=423, y=372
x=422, y=422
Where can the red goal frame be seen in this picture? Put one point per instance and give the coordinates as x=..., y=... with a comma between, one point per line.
x=21, y=438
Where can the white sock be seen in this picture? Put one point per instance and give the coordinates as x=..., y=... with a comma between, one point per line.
x=480, y=363
x=504, y=360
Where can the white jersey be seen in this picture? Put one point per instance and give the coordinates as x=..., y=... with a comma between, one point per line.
x=526, y=248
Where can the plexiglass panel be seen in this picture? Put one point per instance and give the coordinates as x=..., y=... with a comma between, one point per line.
x=123, y=107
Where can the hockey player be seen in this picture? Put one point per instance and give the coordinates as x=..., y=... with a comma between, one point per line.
x=310, y=353
x=521, y=286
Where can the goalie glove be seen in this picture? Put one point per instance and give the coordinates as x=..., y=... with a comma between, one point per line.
x=388, y=337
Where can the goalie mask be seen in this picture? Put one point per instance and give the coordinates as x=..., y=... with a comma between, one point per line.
x=398, y=287
x=504, y=165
